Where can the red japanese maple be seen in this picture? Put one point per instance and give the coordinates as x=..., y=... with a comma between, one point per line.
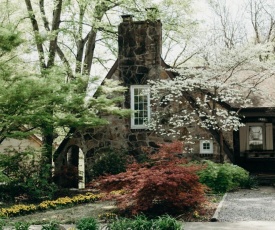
x=164, y=185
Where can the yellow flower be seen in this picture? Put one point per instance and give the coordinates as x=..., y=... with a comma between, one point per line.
x=196, y=214
x=47, y=204
x=118, y=192
x=107, y=215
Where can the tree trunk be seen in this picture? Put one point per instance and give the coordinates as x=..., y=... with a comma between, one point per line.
x=221, y=148
x=47, y=129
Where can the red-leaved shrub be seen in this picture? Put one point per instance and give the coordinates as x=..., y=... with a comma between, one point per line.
x=167, y=185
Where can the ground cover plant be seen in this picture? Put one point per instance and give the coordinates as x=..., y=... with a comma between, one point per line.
x=88, y=223
x=22, y=225
x=142, y=222
x=22, y=209
x=2, y=224
x=165, y=184
x=50, y=226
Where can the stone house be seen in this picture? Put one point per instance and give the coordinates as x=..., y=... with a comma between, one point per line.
x=139, y=60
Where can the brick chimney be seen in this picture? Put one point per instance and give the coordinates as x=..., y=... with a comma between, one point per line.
x=139, y=57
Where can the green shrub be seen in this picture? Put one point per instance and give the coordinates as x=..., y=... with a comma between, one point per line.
x=223, y=177
x=27, y=175
x=251, y=182
x=10, y=190
x=141, y=222
x=38, y=187
x=87, y=224
x=109, y=162
x=22, y=225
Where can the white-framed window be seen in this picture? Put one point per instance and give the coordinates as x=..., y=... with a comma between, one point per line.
x=256, y=137
x=206, y=147
x=140, y=105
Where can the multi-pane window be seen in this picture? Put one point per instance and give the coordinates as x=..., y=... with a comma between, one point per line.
x=206, y=146
x=140, y=105
x=255, y=138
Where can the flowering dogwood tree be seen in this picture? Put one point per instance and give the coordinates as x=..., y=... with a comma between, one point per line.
x=206, y=96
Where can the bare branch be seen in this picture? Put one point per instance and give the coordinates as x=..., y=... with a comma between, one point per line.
x=55, y=28
x=44, y=18
x=35, y=27
x=64, y=59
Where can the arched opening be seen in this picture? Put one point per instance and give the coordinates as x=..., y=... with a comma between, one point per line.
x=72, y=171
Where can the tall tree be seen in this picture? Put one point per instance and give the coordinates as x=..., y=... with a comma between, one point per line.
x=227, y=24
x=228, y=72
x=208, y=97
x=66, y=34
x=41, y=103
x=261, y=15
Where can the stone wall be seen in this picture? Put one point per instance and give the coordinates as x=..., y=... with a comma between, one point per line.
x=117, y=136
x=202, y=134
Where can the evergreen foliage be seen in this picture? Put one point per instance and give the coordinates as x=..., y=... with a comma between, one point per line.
x=9, y=38
x=26, y=176
x=109, y=162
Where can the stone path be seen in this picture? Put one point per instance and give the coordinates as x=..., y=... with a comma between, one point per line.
x=248, y=205
x=244, y=209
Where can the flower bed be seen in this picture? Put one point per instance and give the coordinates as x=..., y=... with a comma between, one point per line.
x=21, y=209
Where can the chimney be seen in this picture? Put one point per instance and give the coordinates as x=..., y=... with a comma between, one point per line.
x=139, y=44
x=127, y=18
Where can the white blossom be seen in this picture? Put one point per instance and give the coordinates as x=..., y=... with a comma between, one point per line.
x=203, y=96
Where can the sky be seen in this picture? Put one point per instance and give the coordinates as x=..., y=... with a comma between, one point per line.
x=203, y=11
